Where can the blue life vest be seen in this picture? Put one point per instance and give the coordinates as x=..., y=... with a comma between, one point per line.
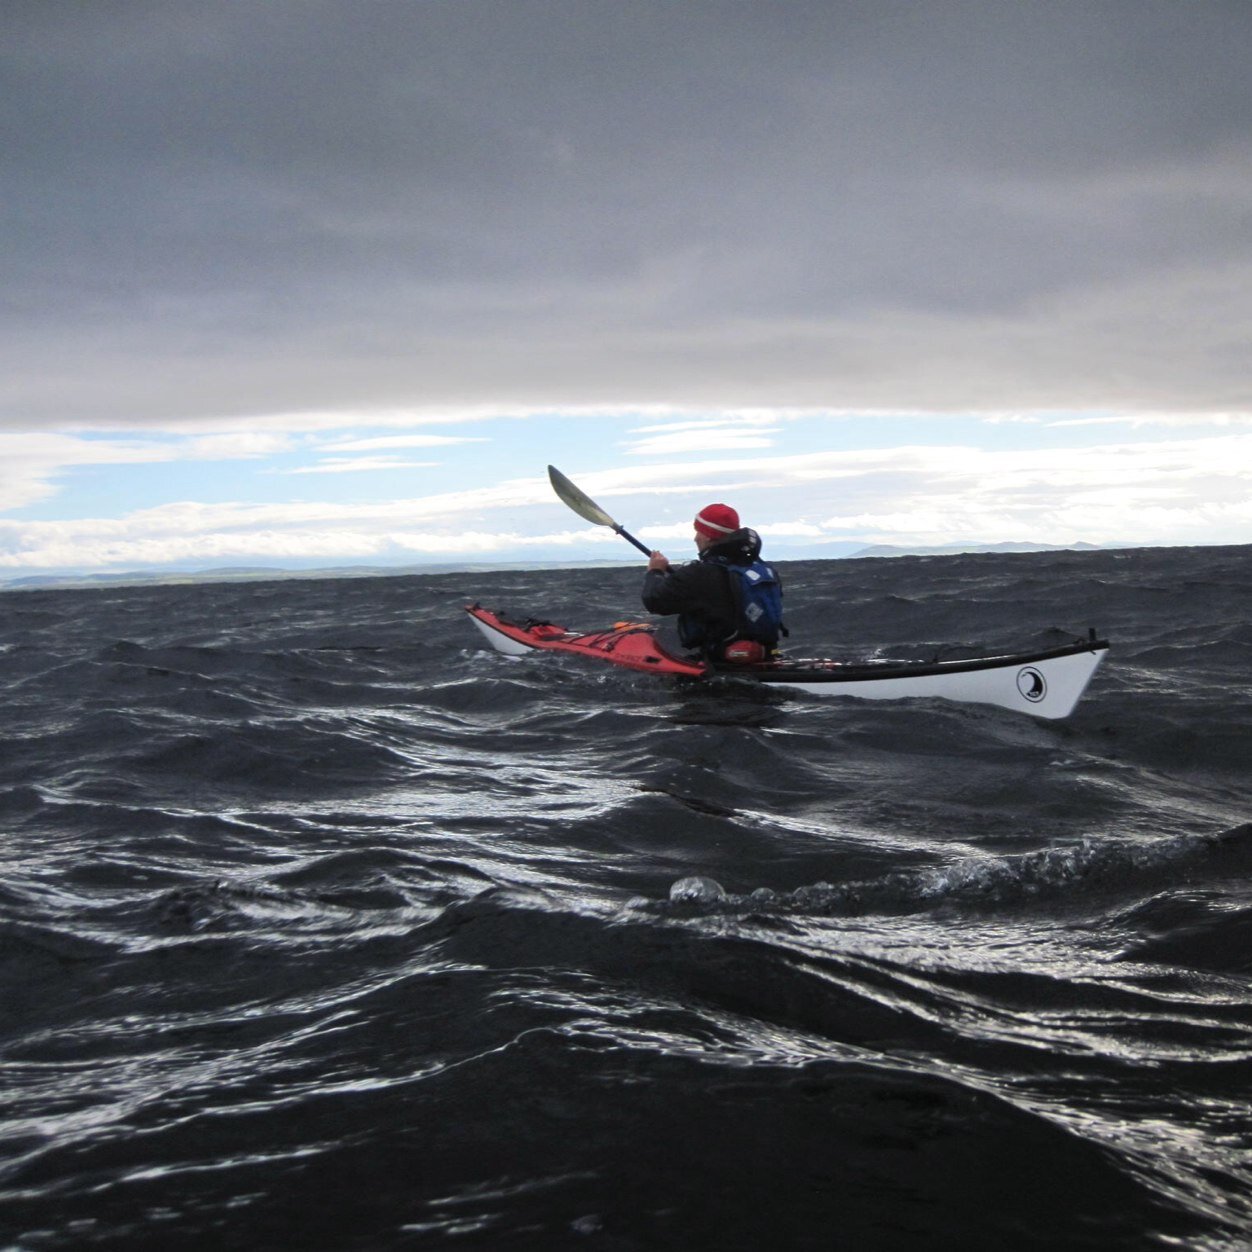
x=758, y=601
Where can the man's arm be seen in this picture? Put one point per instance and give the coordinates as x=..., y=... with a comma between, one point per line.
x=671, y=588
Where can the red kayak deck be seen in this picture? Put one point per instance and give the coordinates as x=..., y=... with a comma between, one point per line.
x=633, y=645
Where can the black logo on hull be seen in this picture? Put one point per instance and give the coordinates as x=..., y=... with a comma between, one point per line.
x=1030, y=682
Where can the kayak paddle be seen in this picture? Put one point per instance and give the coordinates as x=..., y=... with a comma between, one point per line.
x=586, y=507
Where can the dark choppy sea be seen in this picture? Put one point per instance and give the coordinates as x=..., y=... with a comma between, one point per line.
x=322, y=927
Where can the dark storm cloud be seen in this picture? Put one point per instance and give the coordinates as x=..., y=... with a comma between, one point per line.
x=247, y=207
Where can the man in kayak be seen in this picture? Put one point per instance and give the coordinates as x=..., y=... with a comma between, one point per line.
x=729, y=602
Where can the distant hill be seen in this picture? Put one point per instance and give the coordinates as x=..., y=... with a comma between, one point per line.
x=234, y=574
x=955, y=549
x=261, y=573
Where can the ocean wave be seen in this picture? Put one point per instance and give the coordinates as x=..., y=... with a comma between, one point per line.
x=301, y=888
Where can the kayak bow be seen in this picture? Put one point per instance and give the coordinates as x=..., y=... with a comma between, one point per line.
x=633, y=645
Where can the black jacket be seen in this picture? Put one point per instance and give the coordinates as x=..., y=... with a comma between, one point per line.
x=700, y=591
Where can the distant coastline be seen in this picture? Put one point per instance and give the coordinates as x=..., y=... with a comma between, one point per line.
x=958, y=549
x=236, y=574
x=141, y=578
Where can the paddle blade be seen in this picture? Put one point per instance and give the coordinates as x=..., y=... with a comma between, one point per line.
x=582, y=504
x=586, y=507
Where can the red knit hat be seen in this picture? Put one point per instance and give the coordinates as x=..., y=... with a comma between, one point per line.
x=717, y=521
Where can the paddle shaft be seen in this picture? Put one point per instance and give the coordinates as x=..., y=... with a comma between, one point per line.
x=625, y=534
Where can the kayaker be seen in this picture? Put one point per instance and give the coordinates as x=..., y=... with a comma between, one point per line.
x=728, y=601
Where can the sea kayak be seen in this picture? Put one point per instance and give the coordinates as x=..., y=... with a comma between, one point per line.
x=1042, y=683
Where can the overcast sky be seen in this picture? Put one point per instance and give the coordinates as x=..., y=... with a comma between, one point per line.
x=294, y=280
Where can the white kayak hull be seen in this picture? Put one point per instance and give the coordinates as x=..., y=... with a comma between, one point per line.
x=1044, y=685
